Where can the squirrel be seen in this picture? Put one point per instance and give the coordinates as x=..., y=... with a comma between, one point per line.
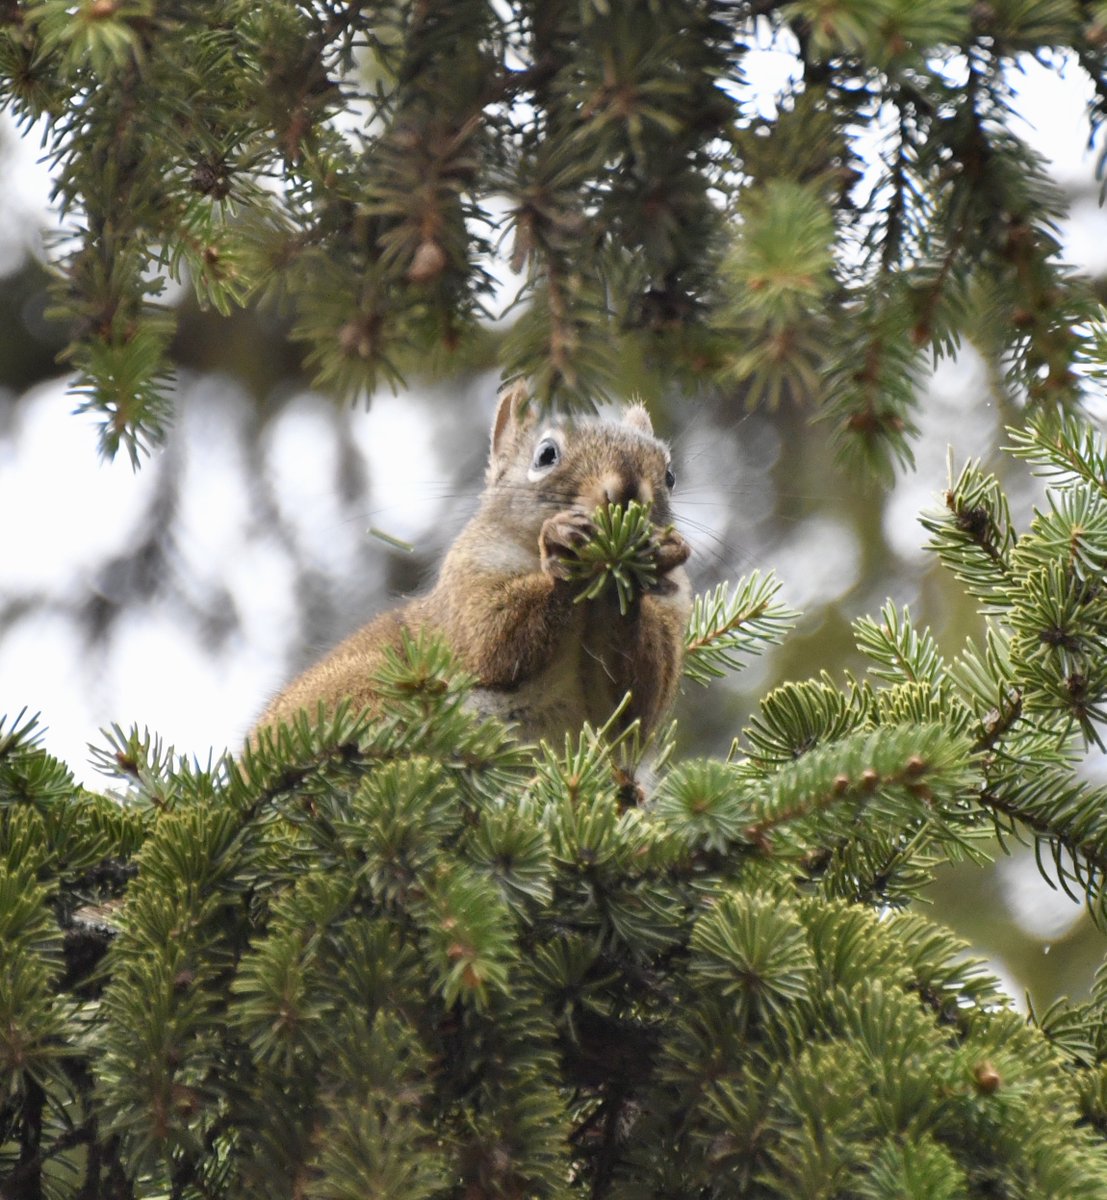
x=504, y=598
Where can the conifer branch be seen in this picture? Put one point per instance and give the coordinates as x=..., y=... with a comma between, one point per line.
x=728, y=624
x=900, y=651
x=857, y=770
x=974, y=536
x=1062, y=447
x=616, y=141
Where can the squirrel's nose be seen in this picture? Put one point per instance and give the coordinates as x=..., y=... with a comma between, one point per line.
x=619, y=490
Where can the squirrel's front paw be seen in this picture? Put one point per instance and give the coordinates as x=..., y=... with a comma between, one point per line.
x=560, y=541
x=672, y=551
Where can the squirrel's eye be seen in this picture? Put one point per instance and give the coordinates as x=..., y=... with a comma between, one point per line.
x=670, y=478
x=547, y=454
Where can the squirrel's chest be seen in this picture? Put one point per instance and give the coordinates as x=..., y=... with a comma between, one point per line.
x=584, y=679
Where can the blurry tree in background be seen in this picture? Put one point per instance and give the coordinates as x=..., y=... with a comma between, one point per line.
x=263, y=204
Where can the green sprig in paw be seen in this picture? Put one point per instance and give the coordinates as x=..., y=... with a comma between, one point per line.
x=622, y=553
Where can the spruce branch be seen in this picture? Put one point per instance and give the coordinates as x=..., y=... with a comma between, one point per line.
x=509, y=848
x=752, y=949
x=278, y=761
x=987, y=679
x=872, y=384
x=901, y=653
x=1070, y=536
x=778, y=278
x=1064, y=816
x=139, y=759
x=28, y=774
x=405, y=981
x=974, y=535
x=1063, y=447
x=729, y=624
x=468, y=934
x=1059, y=637
x=394, y=133
x=797, y=717
x=23, y=733
x=926, y=768
x=705, y=803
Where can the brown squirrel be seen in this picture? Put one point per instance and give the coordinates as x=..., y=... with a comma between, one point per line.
x=504, y=599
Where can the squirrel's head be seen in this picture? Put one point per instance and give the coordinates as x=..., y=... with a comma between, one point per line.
x=583, y=463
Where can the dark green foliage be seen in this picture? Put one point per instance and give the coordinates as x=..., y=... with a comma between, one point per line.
x=378, y=166
x=408, y=957
x=342, y=992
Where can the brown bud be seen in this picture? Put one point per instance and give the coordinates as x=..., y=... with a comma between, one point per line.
x=986, y=1078
x=427, y=263
x=523, y=246
x=757, y=836
x=358, y=338
x=126, y=762
x=983, y=15
x=870, y=779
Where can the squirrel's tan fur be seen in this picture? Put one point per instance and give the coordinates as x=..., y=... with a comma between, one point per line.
x=503, y=602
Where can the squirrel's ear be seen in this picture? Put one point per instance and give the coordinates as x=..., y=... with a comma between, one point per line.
x=513, y=415
x=636, y=417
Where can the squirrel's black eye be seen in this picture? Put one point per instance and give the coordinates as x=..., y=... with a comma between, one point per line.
x=670, y=478
x=547, y=454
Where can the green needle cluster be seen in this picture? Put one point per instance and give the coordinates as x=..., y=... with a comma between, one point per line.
x=622, y=554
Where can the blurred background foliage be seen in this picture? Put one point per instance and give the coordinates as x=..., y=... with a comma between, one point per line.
x=264, y=524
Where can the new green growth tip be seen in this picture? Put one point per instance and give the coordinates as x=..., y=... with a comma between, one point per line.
x=621, y=554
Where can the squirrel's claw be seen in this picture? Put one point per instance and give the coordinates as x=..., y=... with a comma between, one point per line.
x=560, y=539
x=672, y=551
